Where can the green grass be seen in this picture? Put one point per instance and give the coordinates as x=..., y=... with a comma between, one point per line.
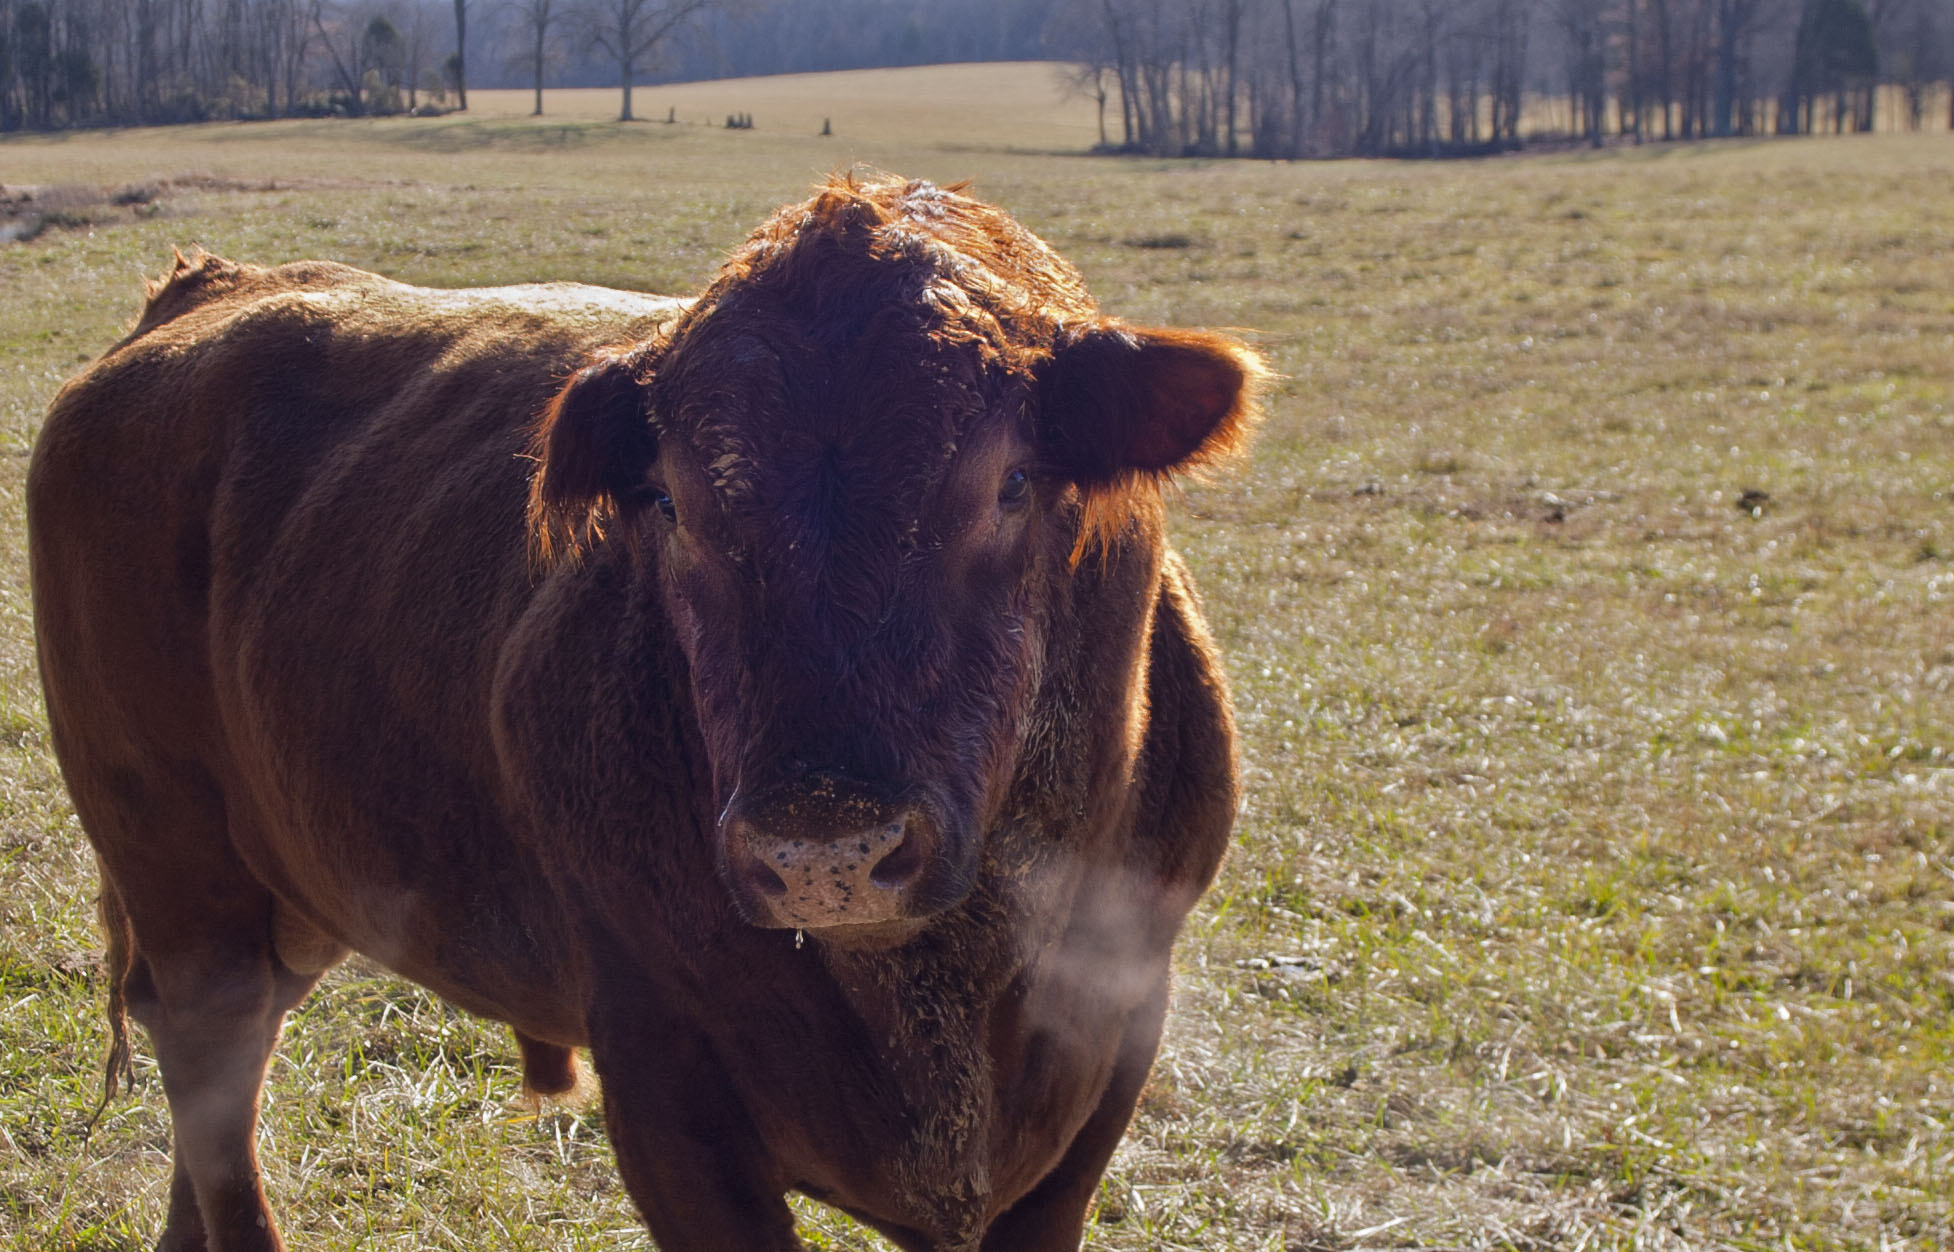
x=1595, y=885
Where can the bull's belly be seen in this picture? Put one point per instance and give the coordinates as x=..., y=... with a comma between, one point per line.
x=426, y=884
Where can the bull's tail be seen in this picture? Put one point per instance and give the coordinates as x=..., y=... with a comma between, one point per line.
x=119, y=1064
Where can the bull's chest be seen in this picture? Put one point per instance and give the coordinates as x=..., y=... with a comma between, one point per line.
x=931, y=1113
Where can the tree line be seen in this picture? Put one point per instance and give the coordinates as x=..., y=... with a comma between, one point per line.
x=70, y=63
x=1272, y=78
x=1302, y=78
x=66, y=63
x=90, y=62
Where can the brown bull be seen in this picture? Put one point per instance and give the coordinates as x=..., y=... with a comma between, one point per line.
x=578, y=654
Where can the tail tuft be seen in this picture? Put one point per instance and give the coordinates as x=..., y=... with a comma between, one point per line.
x=119, y=1065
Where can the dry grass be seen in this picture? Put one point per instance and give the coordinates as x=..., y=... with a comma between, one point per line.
x=1596, y=883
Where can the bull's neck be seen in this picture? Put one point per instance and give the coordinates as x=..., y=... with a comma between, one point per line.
x=927, y=1005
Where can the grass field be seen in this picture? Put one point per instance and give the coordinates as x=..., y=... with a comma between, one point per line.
x=1589, y=601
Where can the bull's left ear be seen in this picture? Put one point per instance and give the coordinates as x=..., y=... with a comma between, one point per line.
x=1122, y=401
x=592, y=447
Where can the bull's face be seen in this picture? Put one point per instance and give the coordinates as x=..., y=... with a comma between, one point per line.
x=862, y=469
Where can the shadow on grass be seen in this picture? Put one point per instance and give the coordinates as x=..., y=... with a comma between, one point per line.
x=472, y=136
x=965, y=148
x=513, y=135
x=450, y=135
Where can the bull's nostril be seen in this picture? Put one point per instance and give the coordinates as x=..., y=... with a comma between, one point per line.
x=765, y=880
x=896, y=869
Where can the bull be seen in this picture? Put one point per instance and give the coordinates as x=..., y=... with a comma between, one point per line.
x=787, y=693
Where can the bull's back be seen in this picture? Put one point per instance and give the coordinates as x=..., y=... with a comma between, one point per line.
x=276, y=540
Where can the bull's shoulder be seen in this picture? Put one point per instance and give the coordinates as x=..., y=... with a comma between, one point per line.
x=202, y=280
x=215, y=332
x=207, y=296
x=1189, y=771
x=276, y=367
x=525, y=315
x=134, y=404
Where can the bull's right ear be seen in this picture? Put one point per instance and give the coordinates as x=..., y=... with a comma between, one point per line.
x=1126, y=404
x=592, y=448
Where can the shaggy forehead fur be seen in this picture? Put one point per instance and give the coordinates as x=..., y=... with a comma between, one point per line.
x=865, y=329
x=986, y=278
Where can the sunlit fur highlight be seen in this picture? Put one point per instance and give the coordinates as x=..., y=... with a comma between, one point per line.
x=1110, y=501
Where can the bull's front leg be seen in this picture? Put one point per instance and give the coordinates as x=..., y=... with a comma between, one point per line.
x=686, y=1148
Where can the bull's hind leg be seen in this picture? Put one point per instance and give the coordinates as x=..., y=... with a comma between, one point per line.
x=213, y=1017
x=203, y=977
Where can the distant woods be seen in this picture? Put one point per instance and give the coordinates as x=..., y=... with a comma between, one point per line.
x=68, y=63
x=1269, y=78
x=1284, y=78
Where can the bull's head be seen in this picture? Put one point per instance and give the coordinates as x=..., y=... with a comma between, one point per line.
x=866, y=466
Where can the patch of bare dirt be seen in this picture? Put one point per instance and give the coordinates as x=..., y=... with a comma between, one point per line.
x=27, y=211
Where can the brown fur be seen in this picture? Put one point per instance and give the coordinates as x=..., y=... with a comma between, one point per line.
x=346, y=647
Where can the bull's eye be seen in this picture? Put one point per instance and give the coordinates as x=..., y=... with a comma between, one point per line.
x=1015, y=491
x=663, y=501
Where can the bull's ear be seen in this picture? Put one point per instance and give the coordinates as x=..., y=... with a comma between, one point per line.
x=1124, y=402
x=593, y=448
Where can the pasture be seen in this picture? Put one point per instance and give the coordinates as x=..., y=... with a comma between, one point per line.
x=1588, y=599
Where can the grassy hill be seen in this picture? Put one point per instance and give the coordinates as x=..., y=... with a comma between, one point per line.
x=1589, y=604
x=988, y=107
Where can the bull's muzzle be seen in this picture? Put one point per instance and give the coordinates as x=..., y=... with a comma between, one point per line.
x=828, y=850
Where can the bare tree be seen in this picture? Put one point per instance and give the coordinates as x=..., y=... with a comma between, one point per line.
x=384, y=52
x=1509, y=21
x=1734, y=19
x=1294, y=65
x=297, y=20
x=537, y=19
x=630, y=31
x=1089, y=79
x=1915, y=63
x=32, y=44
x=418, y=34
x=1587, y=67
x=1629, y=103
x=1232, y=13
x=346, y=32
x=9, y=118
x=1433, y=33
x=1835, y=57
x=1323, y=33
x=459, y=61
x=1663, y=11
